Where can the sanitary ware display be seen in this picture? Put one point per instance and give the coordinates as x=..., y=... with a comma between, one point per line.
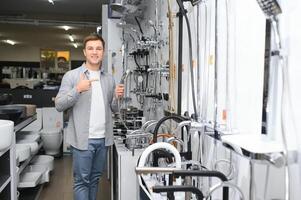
x=6, y=134
x=44, y=160
x=22, y=152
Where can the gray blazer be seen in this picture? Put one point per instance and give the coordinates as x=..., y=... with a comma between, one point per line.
x=79, y=106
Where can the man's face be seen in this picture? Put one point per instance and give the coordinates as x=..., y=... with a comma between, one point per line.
x=94, y=52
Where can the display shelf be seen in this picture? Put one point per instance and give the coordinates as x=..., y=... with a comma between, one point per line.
x=5, y=175
x=27, y=161
x=8, y=184
x=31, y=193
x=25, y=123
x=3, y=152
x=4, y=181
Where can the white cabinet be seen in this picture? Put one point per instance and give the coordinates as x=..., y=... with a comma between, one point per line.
x=123, y=178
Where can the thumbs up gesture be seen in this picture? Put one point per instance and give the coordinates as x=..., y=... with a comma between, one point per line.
x=83, y=83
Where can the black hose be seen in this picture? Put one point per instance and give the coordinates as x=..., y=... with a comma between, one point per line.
x=180, y=62
x=182, y=9
x=135, y=59
x=139, y=24
x=160, y=122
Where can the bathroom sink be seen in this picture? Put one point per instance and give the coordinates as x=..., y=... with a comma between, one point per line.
x=6, y=133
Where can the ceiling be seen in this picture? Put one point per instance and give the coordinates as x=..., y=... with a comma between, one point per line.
x=39, y=23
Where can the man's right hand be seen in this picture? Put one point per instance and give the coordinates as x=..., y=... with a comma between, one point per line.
x=84, y=84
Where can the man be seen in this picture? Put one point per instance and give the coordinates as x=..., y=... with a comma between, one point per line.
x=90, y=95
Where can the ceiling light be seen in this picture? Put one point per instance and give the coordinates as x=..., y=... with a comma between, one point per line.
x=51, y=1
x=75, y=45
x=10, y=42
x=71, y=38
x=66, y=28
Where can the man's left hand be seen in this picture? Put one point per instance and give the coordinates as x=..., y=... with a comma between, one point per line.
x=119, y=90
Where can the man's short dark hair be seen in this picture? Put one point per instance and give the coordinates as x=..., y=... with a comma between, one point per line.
x=92, y=37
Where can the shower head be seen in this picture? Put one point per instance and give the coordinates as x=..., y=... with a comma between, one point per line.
x=271, y=8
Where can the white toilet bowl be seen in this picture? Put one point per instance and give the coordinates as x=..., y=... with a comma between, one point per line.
x=52, y=140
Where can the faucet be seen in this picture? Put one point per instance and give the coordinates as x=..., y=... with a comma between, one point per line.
x=142, y=162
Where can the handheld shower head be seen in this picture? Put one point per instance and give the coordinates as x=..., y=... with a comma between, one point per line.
x=271, y=8
x=124, y=76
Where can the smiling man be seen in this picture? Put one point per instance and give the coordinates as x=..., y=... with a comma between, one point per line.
x=90, y=95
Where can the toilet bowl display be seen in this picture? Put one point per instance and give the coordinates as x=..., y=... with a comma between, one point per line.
x=44, y=169
x=45, y=161
x=34, y=147
x=29, y=179
x=6, y=134
x=52, y=140
x=22, y=152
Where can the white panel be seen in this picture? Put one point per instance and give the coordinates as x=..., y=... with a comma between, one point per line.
x=112, y=36
x=291, y=30
x=52, y=119
x=250, y=33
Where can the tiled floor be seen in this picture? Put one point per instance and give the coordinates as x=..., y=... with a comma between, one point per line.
x=61, y=180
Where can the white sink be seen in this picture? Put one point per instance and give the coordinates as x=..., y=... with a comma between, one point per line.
x=253, y=143
x=6, y=134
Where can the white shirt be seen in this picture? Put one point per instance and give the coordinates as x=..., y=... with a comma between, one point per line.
x=97, y=113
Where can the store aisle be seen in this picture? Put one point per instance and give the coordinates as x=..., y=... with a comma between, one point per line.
x=60, y=186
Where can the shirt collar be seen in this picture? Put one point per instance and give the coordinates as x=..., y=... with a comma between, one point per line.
x=84, y=69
